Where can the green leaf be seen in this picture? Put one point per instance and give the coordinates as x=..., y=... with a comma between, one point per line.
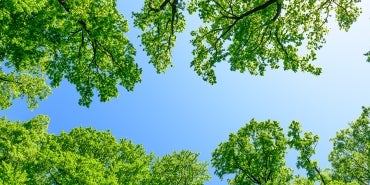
x=350, y=156
x=255, y=155
x=81, y=41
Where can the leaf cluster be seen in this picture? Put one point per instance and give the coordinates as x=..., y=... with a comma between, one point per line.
x=30, y=155
x=84, y=42
x=256, y=154
x=80, y=41
x=350, y=157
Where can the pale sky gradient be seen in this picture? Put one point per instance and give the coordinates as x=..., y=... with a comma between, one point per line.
x=178, y=110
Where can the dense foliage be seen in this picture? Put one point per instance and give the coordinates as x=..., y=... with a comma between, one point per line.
x=256, y=155
x=30, y=155
x=84, y=42
x=46, y=41
x=351, y=153
x=81, y=41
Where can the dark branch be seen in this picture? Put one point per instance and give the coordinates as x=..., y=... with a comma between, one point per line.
x=245, y=171
x=171, y=22
x=343, y=8
x=236, y=18
x=64, y=5
x=278, y=11
x=318, y=171
x=160, y=7
x=256, y=9
x=2, y=78
x=82, y=44
x=96, y=45
x=281, y=44
x=230, y=14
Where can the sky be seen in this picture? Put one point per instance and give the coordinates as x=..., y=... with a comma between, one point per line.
x=178, y=110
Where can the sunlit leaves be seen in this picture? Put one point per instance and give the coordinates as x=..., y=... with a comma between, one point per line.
x=81, y=41
x=346, y=12
x=255, y=154
x=160, y=20
x=22, y=85
x=29, y=155
x=254, y=35
x=305, y=145
x=83, y=156
x=19, y=147
x=84, y=42
x=350, y=157
x=180, y=168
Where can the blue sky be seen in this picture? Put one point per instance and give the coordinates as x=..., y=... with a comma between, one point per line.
x=178, y=110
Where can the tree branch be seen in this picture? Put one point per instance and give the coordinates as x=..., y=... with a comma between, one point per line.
x=251, y=177
x=318, y=171
x=2, y=78
x=151, y=8
x=96, y=45
x=278, y=11
x=64, y=5
x=256, y=9
x=237, y=18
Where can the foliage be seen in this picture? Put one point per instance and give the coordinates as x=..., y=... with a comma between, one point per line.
x=84, y=42
x=20, y=144
x=160, y=20
x=305, y=181
x=29, y=155
x=180, y=168
x=250, y=35
x=81, y=41
x=15, y=86
x=256, y=155
x=368, y=56
x=254, y=35
x=306, y=147
x=350, y=157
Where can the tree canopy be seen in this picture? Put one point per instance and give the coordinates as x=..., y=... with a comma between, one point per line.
x=84, y=42
x=180, y=168
x=81, y=41
x=30, y=155
x=350, y=157
x=256, y=155
x=44, y=42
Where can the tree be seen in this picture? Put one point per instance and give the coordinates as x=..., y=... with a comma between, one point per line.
x=350, y=157
x=306, y=147
x=255, y=155
x=250, y=35
x=87, y=156
x=20, y=86
x=29, y=155
x=84, y=42
x=81, y=41
x=180, y=168
x=20, y=144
